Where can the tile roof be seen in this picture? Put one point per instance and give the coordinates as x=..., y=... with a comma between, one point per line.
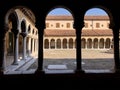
x=73, y=33
x=65, y=17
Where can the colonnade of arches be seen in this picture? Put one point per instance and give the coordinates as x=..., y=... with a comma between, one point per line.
x=86, y=43
x=20, y=27
x=21, y=40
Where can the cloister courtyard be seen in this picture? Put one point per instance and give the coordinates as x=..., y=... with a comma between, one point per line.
x=100, y=60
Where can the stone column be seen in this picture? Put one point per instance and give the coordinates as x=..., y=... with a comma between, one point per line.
x=40, y=49
x=92, y=44
x=104, y=45
x=29, y=47
x=24, y=45
x=16, y=35
x=115, y=29
x=78, y=27
x=98, y=44
x=49, y=45
x=33, y=47
x=3, y=53
x=85, y=44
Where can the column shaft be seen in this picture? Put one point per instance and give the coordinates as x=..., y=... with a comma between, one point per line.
x=15, y=49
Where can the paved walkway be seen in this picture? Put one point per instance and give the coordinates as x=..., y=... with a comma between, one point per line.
x=21, y=68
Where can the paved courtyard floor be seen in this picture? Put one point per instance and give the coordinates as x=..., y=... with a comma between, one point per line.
x=91, y=60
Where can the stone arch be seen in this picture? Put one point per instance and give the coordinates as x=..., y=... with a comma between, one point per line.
x=101, y=43
x=70, y=43
x=95, y=43
x=52, y=43
x=46, y=44
x=58, y=43
x=64, y=43
x=89, y=43
x=83, y=43
x=11, y=30
x=11, y=20
x=107, y=43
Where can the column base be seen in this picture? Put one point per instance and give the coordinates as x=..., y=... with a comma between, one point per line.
x=15, y=63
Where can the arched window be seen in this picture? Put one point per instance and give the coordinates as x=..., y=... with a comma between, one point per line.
x=64, y=43
x=107, y=43
x=95, y=43
x=83, y=43
x=101, y=43
x=46, y=44
x=70, y=43
x=89, y=43
x=52, y=44
x=58, y=43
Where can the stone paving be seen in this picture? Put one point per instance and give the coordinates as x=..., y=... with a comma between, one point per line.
x=91, y=59
x=56, y=60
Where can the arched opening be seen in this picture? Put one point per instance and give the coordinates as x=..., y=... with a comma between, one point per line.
x=101, y=43
x=107, y=43
x=46, y=44
x=70, y=43
x=95, y=43
x=10, y=40
x=83, y=43
x=58, y=43
x=59, y=31
x=96, y=56
x=64, y=43
x=89, y=43
x=20, y=48
x=18, y=40
x=52, y=44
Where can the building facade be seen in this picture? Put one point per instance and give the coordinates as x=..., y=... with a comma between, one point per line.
x=60, y=34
